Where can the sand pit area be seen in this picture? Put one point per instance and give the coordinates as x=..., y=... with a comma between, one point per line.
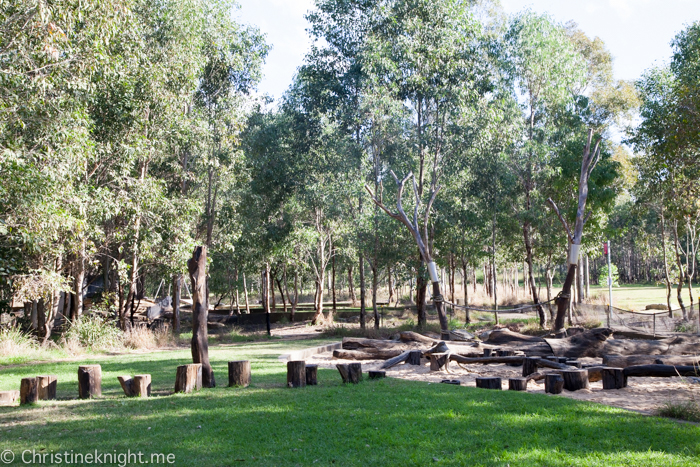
x=643, y=395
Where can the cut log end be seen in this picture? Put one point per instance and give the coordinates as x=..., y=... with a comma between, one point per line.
x=46, y=387
x=374, y=374
x=553, y=384
x=89, y=381
x=414, y=357
x=613, y=378
x=188, y=378
x=575, y=379
x=28, y=391
x=488, y=383
x=239, y=373
x=311, y=375
x=296, y=374
x=517, y=384
x=142, y=386
x=350, y=372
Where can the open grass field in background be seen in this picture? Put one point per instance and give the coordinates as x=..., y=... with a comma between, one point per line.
x=382, y=422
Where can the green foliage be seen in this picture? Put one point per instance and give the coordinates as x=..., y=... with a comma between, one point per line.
x=688, y=410
x=95, y=333
x=603, y=276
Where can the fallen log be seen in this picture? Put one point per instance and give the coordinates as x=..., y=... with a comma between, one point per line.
x=676, y=345
x=506, y=336
x=660, y=371
x=587, y=344
x=628, y=334
x=396, y=360
x=410, y=336
x=366, y=354
x=487, y=360
x=623, y=361
x=354, y=343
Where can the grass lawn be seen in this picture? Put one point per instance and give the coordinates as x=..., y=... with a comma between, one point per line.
x=384, y=422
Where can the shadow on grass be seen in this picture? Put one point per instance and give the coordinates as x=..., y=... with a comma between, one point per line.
x=384, y=422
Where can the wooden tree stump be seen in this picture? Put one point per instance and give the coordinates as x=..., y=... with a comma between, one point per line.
x=188, y=378
x=414, y=357
x=350, y=372
x=614, y=378
x=28, y=391
x=127, y=384
x=311, y=375
x=489, y=352
x=47, y=387
x=488, y=383
x=505, y=353
x=437, y=362
x=530, y=365
x=575, y=379
x=89, y=381
x=517, y=384
x=296, y=374
x=142, y=386
x=8, y=397
x=377, y=374
x=553, y=383
x=239, y=373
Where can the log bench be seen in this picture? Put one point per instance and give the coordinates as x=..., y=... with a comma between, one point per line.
x=350, y=372
x=239, y=373
x=188, y=378
x=138, y=386
x=89, y=381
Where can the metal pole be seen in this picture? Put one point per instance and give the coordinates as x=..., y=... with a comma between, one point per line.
x=610, y=282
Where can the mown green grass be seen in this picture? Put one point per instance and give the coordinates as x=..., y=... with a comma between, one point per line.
x=383, y=422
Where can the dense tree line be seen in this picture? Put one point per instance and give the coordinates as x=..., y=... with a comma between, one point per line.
x=129, y=134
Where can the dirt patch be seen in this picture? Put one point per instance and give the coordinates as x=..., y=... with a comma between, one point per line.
x=643, y=395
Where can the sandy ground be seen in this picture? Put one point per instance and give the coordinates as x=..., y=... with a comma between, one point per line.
x=643, y=395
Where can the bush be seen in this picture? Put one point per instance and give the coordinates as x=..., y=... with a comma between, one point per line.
x=96, y=333
x=13, y=342
x=688, y=410
x=603, y=276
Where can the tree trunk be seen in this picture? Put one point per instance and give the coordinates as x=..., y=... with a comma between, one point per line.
x=579, y=281
x=375, y=285
x=421, y=290
x=667, y=277
x=333, y=296
x=531, y=277
x=177, y=289
x=467, y=318
x=197, y=268
x=265, y=292
x=363, y=311
x=279, y=287
x=351, y=288
x=245, y=295
x=588, y=279
x=79, y=278
x=391, y=285
x=296, y=294
x=681, y=272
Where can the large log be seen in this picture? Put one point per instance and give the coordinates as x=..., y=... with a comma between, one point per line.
x=410, y=336
x=28, y=391
x=354, y=343
x=89, y=381
x=660, y=371
x=674, y=346
x=188, y=378
x=517, y=359
x=488, y=383
x=239, y=373
x=614, y=378
x=367, y=354
x=46, y=387
x=440, y=347
x=506, y=336
x=587, y=344
x=623, y=361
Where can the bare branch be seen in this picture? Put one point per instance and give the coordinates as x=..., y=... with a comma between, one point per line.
x=427, y=212
x=596, y=157
x=561, y=218
x=585, y=219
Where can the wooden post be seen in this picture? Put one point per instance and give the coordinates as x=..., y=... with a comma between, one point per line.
x=530, y=365
x=553, y=383
x=377, y=374
x=311, y=375
x=614, y=378
x=188, y=378
x=47, y=387
x=437, y=361
x=517, y=384
x=414, y=357
x=8, y=397
x=350, y=372
x=575, y=379
x=142, y=386
x=488, y=383
x=89, y=381
x=239, y=373
x=296, y=374
x=197, y=268
x=28, y=391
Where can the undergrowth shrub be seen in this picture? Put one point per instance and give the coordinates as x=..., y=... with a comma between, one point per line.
x=95, y=333
x=688, y=410
x=14, y=342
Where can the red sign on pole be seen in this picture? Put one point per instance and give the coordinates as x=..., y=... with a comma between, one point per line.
x=605, y=248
